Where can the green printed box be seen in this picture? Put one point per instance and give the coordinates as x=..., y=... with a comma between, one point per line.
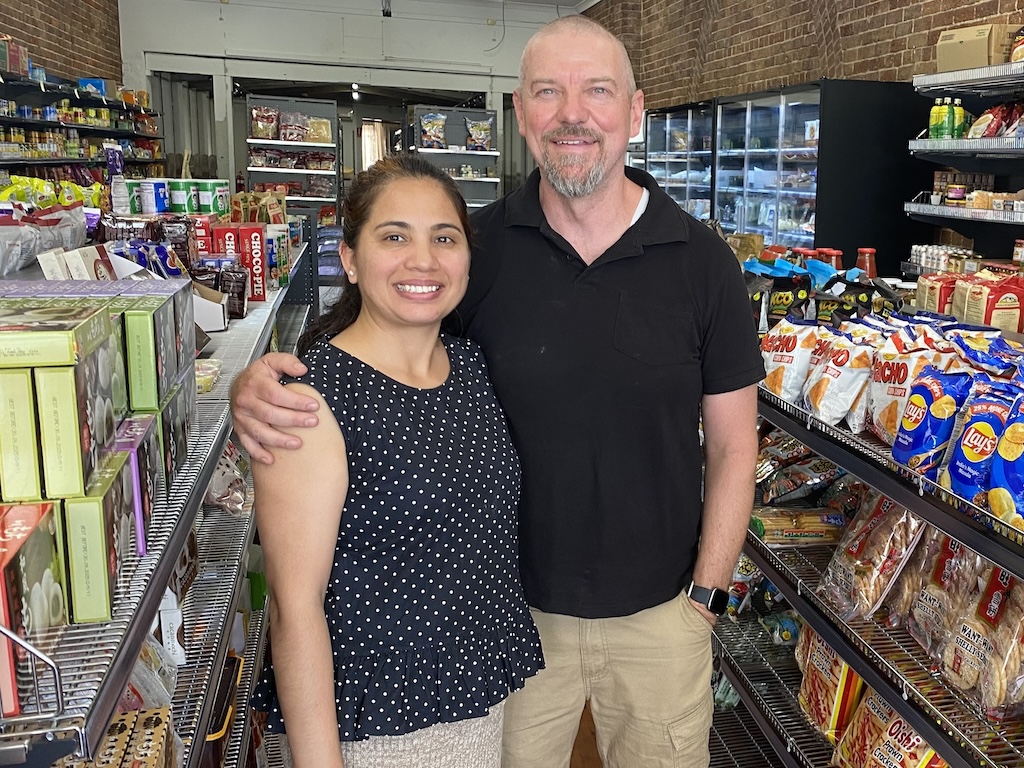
x=152, y=356
x=76, y=421
x=184, y=315
x=19, y=440
x=98, y=539
x=47, y=333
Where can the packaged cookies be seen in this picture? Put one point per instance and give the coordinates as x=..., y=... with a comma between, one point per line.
x=879, y=737
x=870, y=556
x=787, y=352
x=830, y=690
x=929, y=418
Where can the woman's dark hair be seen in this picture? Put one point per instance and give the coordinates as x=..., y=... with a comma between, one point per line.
x=355, y=211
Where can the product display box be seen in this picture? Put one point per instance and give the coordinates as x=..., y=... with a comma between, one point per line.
x=184, y=315
x=176, y=417
x=253, y=256
x=140, y=439
x=19, y=438
x=76, y=420
x=32, y=589
x=152, y=740
x=110, y=752
x=152, y=356
x=970, y=47
x=225, y=240
x=97, y=531
x=42, y=333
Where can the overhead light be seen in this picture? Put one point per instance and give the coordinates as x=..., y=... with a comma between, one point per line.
x=355, y=95
x=355, y=86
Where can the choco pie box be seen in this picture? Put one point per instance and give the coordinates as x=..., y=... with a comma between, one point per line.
x=32, y=588
x=97, y=531
x=254, y=257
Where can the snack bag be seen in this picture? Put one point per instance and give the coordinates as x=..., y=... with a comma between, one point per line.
x=981, y=655
x=844, y=496
x=896, y=365
x=968, y=460
x=804, y=643
x=789, y=296
x=870, y=557
x=778, y=454
x=758, y=289
x=779, y=526
x=830, y=690
x=929, y=418
x=478, y=132
x=800, y=480
x=900, y=600
x=432, y=131
x=834, y=384
x=786, y=350
x=879, y=737
x=1006, y=496
x=984, y=349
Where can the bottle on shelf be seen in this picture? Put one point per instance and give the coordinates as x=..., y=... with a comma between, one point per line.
x=935, y=119
x=946, y=131
x=959, y=120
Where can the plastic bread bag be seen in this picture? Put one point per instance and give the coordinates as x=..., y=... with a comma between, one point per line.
x=153, y=679
x=901, y=598
x=981, y=655
x=830, y=690
x=879, y=737
x=773, y=457
x=800, y=480
x=967, y=464
x=263, y=123
x=294, y=126
x=479, y=134
x=432, y=127
x=318, y=129
x=783, y=526
x=1006, y=494
x=870, y=556
x=788, y=351
x=929, y=418
x=835, y=383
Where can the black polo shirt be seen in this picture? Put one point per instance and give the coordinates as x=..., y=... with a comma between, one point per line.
x=601, y=370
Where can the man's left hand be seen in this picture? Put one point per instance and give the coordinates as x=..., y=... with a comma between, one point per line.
x=709, y=617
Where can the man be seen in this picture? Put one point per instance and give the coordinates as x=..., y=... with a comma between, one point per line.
x=612, y=324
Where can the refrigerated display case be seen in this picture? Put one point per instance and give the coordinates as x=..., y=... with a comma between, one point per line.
x=680, y=144
x=821, y=165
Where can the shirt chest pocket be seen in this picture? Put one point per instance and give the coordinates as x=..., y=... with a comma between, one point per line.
x=655, y=334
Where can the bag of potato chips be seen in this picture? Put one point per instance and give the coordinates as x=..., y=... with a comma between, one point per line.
x=928, y=419
x=834, y=385
x=896, y=365
x=879, y=737
x=786, y=350
x=1006, y=496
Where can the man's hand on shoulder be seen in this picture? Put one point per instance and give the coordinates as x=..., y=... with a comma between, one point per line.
x=259, y=402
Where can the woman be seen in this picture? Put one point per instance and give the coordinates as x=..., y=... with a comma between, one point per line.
x=396, y=615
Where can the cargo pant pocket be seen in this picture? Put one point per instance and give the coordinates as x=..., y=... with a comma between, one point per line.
x=690, y=735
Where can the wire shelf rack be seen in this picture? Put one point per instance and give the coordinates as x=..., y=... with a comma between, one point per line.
x=237, y=751
x=892, y=663
x=998, y=147
x=767, y=679
x=997, y=80
x=965, y=214
x=734, y=744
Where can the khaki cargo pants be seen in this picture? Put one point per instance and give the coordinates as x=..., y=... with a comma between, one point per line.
x=648, y=679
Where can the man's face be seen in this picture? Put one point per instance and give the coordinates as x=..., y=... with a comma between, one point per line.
x=575, y=110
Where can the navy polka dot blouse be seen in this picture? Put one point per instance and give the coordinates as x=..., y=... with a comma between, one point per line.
x=426, y=614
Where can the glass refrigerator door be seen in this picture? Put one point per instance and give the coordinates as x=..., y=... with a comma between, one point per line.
x=798, y=175
x=655, y=149
x=699, y=166
x=762, y=180
x=731, y=165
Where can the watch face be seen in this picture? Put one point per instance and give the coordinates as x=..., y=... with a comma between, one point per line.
x=719, y=602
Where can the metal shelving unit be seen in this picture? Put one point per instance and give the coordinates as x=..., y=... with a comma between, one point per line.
x=767, y=679
x=870, y=460
x=994, y=81
x=237, y=750
x=1002, y=147
x=892, y=663
x=965, y=214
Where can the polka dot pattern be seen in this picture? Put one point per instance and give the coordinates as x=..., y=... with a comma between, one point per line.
x=426, y=613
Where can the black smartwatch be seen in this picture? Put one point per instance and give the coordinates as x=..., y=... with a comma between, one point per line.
x=714, y=599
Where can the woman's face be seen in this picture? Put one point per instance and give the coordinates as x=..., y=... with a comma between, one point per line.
x=411, y=261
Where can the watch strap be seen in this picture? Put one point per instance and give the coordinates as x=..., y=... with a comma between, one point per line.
x=714, y=599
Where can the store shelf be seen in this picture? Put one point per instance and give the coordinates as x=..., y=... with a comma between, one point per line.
x=735, y=744
x=304, y=199
x=767, y=679
x=481, y=152
x=237, y=751
x=292, y=320
x=669, y=157
x=964, y=214
x=910, y=268
x=804, y=237
x=72, y=91
x=999, y=80
x=486, y=179
x=892, y=663
x=209, y=611
x=292, y=171
x=291, y=144
x=803, y=194
x=870, y=460
x=80, y=127
x=18, y=161
x=1008, y=148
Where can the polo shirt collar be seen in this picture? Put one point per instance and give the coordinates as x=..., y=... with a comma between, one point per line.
x=662, y=222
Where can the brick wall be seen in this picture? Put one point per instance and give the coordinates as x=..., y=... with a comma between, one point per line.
x=70, y=38
x=698, y=49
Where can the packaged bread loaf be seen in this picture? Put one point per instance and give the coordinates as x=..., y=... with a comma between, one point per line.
x=787, y=526
x=870, y=556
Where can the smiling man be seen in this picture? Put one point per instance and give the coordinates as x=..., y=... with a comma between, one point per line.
x=613, y=324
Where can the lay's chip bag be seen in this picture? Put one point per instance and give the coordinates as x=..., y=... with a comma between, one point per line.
x=897, y=364
x=929, y=418
x=968, y=461
x=1006, y=496
x=985, y=349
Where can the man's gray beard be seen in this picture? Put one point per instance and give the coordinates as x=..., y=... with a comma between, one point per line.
x=570, y=185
